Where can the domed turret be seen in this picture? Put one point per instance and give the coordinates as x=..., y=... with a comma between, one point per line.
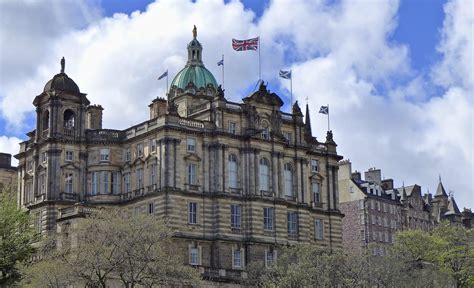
x=61, y=82
x=194, y=72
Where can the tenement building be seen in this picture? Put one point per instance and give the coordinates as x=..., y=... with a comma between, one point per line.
x=234, y=180
x=375, y=210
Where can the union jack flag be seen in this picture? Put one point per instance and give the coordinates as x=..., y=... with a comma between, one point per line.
x=244, y=45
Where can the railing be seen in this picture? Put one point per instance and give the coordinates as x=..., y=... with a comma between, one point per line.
x=190, y=123
x=68, y=196
x=287, y=117
x=69, y=131
x=105, y=135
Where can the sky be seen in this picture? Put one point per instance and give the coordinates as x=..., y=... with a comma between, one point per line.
x=397, y=75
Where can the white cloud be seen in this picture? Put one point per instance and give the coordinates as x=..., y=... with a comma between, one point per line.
x=341, y=55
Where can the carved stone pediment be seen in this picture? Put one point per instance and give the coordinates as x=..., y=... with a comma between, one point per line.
x=70, y=166
x=192, y=157
x=316, y=177
x=264, y=96
x=138, y=161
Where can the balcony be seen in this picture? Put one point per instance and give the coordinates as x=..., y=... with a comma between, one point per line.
x=69, y=131
x=76, y=210
x=68, y=196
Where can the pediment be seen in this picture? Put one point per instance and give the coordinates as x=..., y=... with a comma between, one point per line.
x=316, y=176
x=264, y=96
x=192, y=157
x=138, y=161
x=69, y=166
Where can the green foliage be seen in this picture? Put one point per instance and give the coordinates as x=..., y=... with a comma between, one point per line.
x=16, y=238
x=111, y=247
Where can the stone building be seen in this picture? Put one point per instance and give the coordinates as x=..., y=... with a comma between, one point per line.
x=375, y=210
x=8, y=173
x=235, y=180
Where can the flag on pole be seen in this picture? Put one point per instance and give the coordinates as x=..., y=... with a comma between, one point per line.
x=285, y=74
x=163, y=75
x=244, y=45
x=324, y=110
x=220, y=63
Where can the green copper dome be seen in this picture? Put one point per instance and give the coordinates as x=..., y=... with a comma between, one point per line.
x=194, y=71
x=196, y=74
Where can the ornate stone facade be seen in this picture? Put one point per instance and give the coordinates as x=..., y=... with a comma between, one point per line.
x=234, y=180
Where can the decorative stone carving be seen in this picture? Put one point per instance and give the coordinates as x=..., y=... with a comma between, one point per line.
x=296, y=109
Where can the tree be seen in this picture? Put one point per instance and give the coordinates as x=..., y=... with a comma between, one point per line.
x=16, y=237
x=111, y=246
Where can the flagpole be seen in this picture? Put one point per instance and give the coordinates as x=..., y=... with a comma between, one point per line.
x=167, y=81
x=259, y=60
x=329, y=128
x=291, y=88
x=223, y=86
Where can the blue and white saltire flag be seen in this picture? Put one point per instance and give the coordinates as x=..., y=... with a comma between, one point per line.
x=285, y=74
x=220, y=63
x=163, y=75
x=324, y=110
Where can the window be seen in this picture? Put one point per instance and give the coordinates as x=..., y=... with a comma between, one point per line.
x=386, y=237
x=140, y=150
x=153, y=173
x=104, y=154
x=139, y=178
x=127, y=155
x=126, y=181
x=233, y=171
x=153, y=146
x=270, y=257
x=264, y=175
x=378, y=206
x=265, y=134
x=384, y=208
x=361, y=204
x=381, y=236
x=42, y=184
x=191, y=143
x=235, y=215
x=287, y=136
x=151, y=208
x=372, y=204
x=192, y=168
x=288, y=179
x=29, y=165
x=318, y=229
x=69, y=156
x=194, y=256
x=44, y=157
x=268, y=218
x=94, y=183
x=105, y=183
x=68, y=183
x=385, y=222
x=314, y=165
x=237, y=258
x=379, y=221
x=68, y=119
x=316, y=192
x=373, y=219
x=292, y=223
x=37, y=223
x=114, y=179
x=232, y=127
x=362, y=234
x=374, y=235
x=46, y=120
x=192, y=213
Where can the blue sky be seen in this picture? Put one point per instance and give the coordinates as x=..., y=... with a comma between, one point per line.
x=397, y=74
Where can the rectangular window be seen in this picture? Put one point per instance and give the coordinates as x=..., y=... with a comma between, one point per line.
x=265, y=134
x=114, y=179
x=362, y=234
x=235, y=215
x=374, y=235
x=386, y=237
x=378, y=206
x=372, y=204
x=373, y=219
x=192, y=213
x=384, y=208
x=314, y=165
x=379, y=221
x=151, y=208
x=268, y=218
x=42, y=184
x=191, y=144
x=37, y=223
x=126, y=181
x=94, y=183
x=29, y=165
x=127, y=154
x=44, y=157
x=361, y=204
x=381, y=236
x=316, y=192
x=140, y=150
x=192, y=168
x=318, y=229
x=104, y=154
x=237, y=259
x=69, y=156
x=139, y=178
x=153, y=174
x=287, y=136
x=194, y=256
x=292, y=223
x=269, y=258
x=68, y=182
x=232, y=127
x=152, y=145
x=104, y=189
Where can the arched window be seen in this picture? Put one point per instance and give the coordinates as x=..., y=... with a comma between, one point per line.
x=68, y=119
x=264, y=174
x=46, y=119
x=265, y=134
x=232, y=171
x=288, y=179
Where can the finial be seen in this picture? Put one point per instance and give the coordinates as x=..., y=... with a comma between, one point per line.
x=195, y=32
x=63, y=64
x=440, y=178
